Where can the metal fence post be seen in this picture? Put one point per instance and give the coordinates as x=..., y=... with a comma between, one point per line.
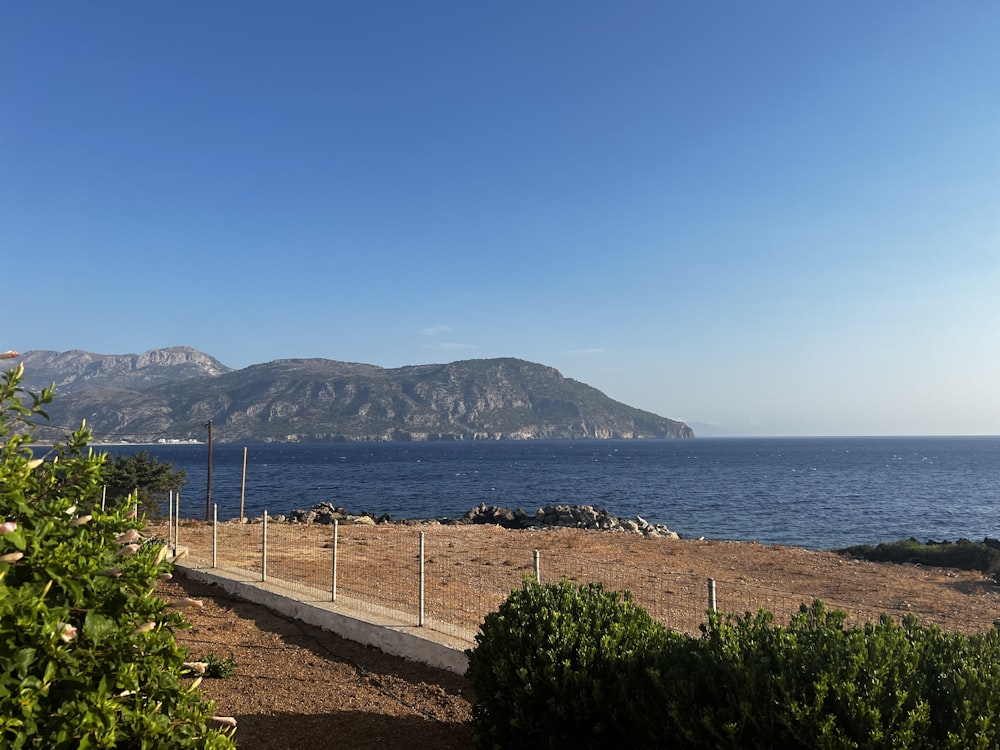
x=263, y=550
x=333, y=587
x=538, y=569
x=177, y=520
x=711, y=595
x=170, y=518
x=215, y=535
x=420, y=621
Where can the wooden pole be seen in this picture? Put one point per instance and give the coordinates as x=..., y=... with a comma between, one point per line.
x=243, y=487
x=208, y=492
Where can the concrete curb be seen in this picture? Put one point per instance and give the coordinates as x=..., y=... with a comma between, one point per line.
x=382, y=631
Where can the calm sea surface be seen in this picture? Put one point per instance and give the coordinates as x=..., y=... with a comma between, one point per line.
x=812, y=492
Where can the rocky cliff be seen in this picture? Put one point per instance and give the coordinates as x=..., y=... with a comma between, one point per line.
x=78, y=370
x=172, y=393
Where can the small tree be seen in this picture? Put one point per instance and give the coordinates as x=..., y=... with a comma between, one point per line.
x=142, y=474
x=88, y=657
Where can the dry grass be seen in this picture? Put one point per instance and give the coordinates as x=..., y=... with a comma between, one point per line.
x=470, y=569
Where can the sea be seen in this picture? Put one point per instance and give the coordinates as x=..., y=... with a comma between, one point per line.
x=818, y=493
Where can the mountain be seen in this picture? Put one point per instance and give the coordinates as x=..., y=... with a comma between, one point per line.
x=173, y=393
x=77, y=370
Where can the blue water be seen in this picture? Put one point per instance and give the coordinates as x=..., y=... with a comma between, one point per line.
x=819, y=493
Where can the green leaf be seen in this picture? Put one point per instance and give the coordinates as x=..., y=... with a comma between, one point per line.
x=23, y=660
x=17, y=539
x=97, y=627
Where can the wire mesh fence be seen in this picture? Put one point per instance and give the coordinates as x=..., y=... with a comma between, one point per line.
x=426, y=576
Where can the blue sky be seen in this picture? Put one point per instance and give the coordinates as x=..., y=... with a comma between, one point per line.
x=775, y=218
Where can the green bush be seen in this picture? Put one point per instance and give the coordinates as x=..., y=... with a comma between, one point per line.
x=217, y=667
x=817, y=684
x=813, y=684
x=542, y=680
x=559, y=666
x=88, y=657
x=962, y=554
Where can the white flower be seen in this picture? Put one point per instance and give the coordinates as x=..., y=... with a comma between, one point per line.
x=80, y=520
x=35, y=463
x=11, y=557
x=226, y=721
x=8, y=527
x=67, y=632
x=165, y=576
x=70, y=510
x=187, y=602
x=197, y=666
x=128, y=537
x=162, y=554
x=144, y=628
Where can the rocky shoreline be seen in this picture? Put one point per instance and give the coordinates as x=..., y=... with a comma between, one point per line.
x=550, y=516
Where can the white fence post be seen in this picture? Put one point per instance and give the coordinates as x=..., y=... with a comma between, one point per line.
x=420, y=621
x=711, y=595
x=263, y=551
x=170, y=518
x=538, y=568
x=333, y=587
x=215, y=535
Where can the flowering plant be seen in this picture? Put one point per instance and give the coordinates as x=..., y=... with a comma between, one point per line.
x=87, y=650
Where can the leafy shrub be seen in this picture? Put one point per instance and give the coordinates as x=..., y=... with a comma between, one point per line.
x=542, y=680
x=962, y=554
x=559, y=666
x=88, y=657
x=218, y=667
x=816, y=684
x=813, y=684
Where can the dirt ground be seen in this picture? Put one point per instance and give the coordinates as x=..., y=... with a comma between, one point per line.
x=295, y=685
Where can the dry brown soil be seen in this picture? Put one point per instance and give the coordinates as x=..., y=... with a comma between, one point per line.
x=297, y=686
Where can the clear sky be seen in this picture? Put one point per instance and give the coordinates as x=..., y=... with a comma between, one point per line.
x=776, y=218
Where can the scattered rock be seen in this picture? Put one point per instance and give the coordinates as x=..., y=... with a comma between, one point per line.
x=567, y=516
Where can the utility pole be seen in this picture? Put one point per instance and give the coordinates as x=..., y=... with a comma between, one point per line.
x=208, y=493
